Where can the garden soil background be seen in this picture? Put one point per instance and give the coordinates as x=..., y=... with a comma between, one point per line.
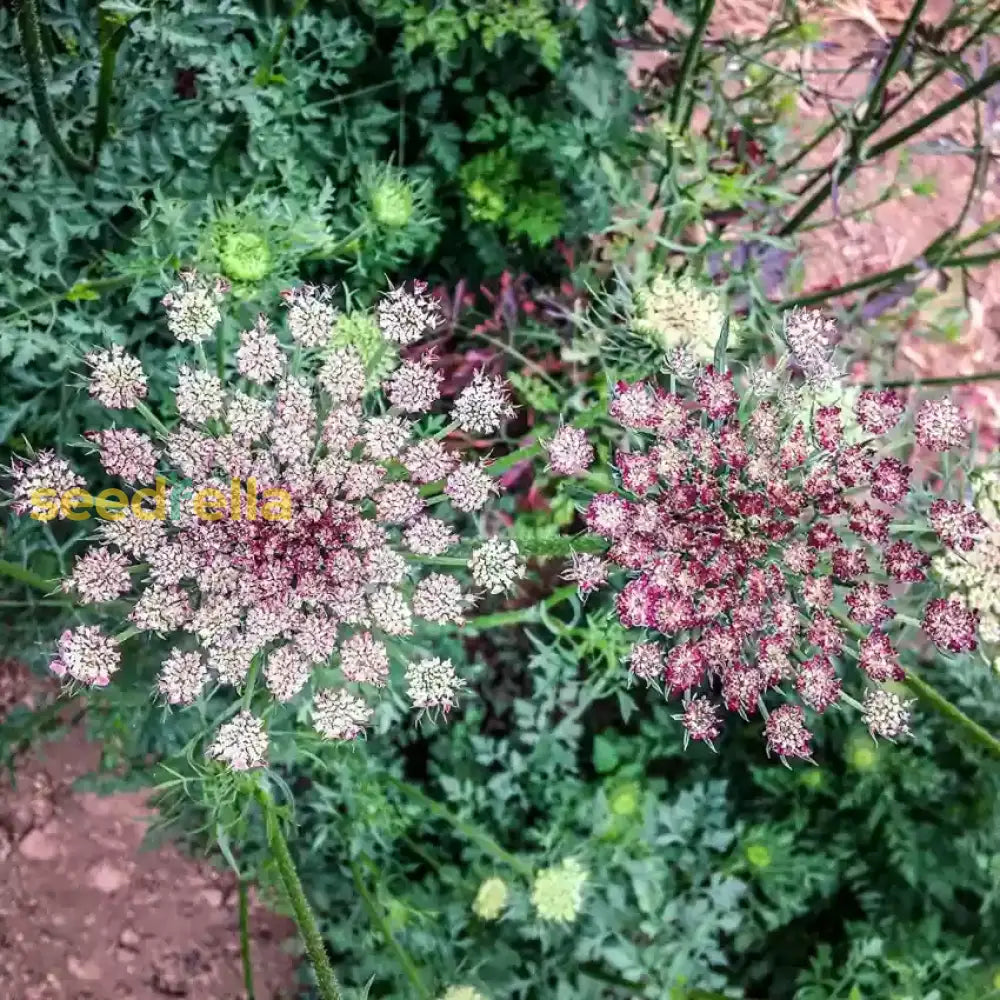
x=86, y=915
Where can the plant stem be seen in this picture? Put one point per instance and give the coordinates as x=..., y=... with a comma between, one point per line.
x=479, y=837
x=889, y=67
x=932, y=697
x=111, y=31
x=31, y=48
x=932, y=257
x=840, y=175
x=688, y=63
x=378, y=918
x=326, y=981
x=26, y=576
x=522, y=616
x=903, y=383
x=244, y=904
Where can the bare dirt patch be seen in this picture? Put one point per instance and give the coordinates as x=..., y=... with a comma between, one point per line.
x=86, y=915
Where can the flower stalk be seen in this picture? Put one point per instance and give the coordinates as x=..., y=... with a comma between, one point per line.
x=326, y=981
x=244, y=913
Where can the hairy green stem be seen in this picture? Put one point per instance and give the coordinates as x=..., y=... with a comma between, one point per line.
x=893, y=59
x=326, y=982
x=111, y=31
x=31, y=48
x=523, y=616
x=688, y=64
x=378, y=918
x=933, y=698
x=932, y=258
x=244, y=904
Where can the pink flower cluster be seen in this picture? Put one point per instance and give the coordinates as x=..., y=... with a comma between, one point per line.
x=335, y=578
x=741, y=533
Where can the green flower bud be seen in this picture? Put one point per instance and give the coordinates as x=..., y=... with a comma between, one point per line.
x=245, y=256
x=758, y=855
x=392, y=202
x=626, y=799
x=862, y=753
x=491, y=899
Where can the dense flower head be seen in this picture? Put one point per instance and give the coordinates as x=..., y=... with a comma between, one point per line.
x=570, y=453
x=941, y=425
x=680, y=318
x=810, y=337
x=47, y=474
x=971, y=570
x=557, y=892
x=117, y=380
x=756, y=546
x=192, y=306
x=311, y=314
x=885, y=714
x=484, y=405
x=87, y=655
x=285, y=523
x=461, y=993
x=951, y=624
x=407, y=315
x=491, y=899
x=241, y=743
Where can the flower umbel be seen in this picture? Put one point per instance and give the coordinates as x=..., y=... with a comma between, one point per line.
x=746, y=533
x=318, y=565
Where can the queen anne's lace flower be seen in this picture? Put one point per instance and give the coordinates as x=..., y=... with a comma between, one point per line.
x=38, y=485
x=885, y=714
x=570, y=453
x=432, y=683
x=340, y=715
x=416, y=385
x=406, y=316
x=297, y=544
x=311, y=315
x=484, y=405
x=200, y=396
x=941, y=425
x=241, y=743
x=117, y=380
x=87, y=655
x=491, y=899
x=741, y=529
x=496, y=565
x=680, y=318
x=461, y=993
x=127, y=453
x=470, y=487
x=193, y=307
x=182, y=677
x=100, y=575
x=557, y=892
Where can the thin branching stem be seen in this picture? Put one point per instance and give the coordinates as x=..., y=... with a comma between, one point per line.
x=478, y=836
x=841, y=174
x=378, y=918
